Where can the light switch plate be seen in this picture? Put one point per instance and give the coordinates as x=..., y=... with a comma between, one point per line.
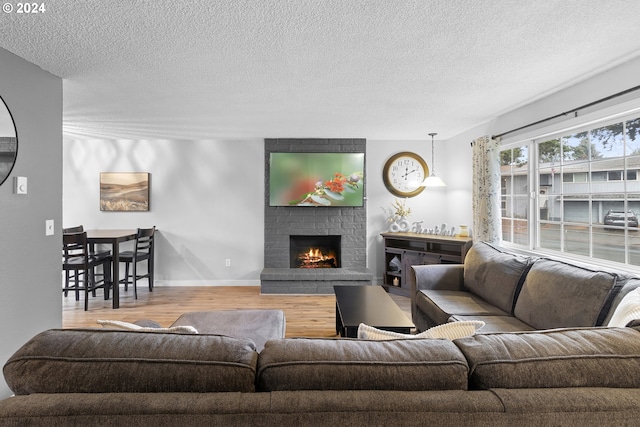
x=20, y=185
x=49, y=231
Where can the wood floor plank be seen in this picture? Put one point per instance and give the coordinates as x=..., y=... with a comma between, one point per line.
x=306, y=315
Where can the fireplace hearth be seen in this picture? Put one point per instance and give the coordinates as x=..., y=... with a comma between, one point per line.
x=314, y=251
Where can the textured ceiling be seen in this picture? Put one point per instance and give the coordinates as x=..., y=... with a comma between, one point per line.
x=378, y=69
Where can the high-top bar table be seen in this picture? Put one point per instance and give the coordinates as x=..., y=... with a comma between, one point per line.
x=113, y=238
x=370, y=305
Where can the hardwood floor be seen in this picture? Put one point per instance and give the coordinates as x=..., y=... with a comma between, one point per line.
x=306, y=315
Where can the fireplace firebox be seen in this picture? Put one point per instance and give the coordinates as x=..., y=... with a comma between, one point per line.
x=314, y=251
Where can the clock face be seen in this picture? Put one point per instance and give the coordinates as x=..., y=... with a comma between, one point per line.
x=403, y=174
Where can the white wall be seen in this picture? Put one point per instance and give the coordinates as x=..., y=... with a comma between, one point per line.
x=207, y=201
x=428, y=206
x=30, y=268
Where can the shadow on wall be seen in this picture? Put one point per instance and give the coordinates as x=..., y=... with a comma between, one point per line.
x=184, y=264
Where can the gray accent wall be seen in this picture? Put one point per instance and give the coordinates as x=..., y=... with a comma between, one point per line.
x=280, y=222
x=30, y=268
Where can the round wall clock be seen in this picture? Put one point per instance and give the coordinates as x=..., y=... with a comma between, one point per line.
x=403, y=174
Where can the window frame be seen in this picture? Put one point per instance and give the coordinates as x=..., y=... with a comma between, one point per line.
x=534, y=171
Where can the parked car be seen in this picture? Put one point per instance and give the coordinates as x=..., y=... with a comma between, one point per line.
x=618, y=218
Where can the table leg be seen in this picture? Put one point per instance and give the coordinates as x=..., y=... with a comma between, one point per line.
x=339, y=325
x=116, y=275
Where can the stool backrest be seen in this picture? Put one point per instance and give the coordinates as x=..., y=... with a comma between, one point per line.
x=74, y=249
x=144, y=241
x=76, y=229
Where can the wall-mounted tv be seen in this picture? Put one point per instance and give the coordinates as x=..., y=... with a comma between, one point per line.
x=316, y=179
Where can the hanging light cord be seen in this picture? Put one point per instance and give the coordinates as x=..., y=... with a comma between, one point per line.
x=433, y=165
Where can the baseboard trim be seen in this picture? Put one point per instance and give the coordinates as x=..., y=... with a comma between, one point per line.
x=206, y=283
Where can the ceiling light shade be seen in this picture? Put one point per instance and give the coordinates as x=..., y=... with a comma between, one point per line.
x=432, y=180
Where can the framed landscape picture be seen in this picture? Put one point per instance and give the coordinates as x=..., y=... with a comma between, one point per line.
x=124, y=191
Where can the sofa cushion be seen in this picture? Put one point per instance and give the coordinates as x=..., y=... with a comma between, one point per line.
x=441, y=305
x=350, y=364
x=104, y=361
x=494, y=275
x=556, y=294
x=601, y=357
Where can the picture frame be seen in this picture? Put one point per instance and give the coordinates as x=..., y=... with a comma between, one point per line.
x=124, y=191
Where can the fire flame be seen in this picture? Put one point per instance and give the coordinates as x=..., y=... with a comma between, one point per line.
x=314, y=253
x=314, y=258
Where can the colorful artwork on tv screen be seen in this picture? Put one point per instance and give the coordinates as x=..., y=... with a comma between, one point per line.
x=316, y=179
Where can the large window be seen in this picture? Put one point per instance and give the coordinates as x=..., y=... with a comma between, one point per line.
x=585, y=193
x=514, y=200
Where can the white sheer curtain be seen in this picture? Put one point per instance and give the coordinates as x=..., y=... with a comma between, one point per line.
x=487, y=222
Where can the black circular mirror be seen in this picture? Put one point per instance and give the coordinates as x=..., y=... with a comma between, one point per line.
x=8, y=142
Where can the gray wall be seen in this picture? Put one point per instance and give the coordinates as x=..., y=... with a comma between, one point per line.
x=30, y=270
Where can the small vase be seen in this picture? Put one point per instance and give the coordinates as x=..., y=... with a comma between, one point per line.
x=464, y=231
x=404, y=225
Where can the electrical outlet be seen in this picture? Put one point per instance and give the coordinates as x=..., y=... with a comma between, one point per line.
x=227, y=262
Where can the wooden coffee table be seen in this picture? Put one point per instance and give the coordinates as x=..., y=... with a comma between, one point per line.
x=370, y=305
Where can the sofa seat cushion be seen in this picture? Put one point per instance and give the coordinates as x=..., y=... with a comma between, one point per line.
x=494, y=275
x=351, y=364
x=111, y=361
x=578, y=357
x=496, y=323
x=441, y=305
x=573, y=406
x=556, y=295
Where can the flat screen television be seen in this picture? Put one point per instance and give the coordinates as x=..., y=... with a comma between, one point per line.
x=316, y=179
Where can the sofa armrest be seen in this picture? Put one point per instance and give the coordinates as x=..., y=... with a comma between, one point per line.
x=433, y=276
x=448, y=277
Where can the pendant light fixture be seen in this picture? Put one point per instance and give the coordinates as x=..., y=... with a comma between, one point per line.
x=432, y=180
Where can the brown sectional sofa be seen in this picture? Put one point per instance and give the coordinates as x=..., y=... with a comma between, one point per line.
x=98, y=377
x=512, y=293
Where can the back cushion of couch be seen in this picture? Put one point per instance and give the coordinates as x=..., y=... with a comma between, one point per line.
x=556, y=294
x=104, y=361
x=600, y=357
x=494, y=275
x=349, y=364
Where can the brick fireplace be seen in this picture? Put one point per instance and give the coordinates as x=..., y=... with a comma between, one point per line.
x=347, y=224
